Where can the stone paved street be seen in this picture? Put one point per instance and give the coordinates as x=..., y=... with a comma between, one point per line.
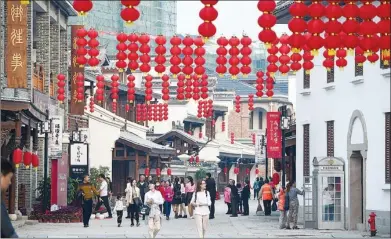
x=221, y=227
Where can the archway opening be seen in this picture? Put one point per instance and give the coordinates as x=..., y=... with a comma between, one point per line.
x=356, y=192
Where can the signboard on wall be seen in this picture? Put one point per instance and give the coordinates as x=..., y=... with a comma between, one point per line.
x=16, y=52
x=274, y=135
x=79, y=154
x=259, y=144
x=76, y=107
x=55, y=137
x=62, y=180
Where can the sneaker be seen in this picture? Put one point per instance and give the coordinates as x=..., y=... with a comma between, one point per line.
x=295, y=228
x=180, y=216
x=138, y=224
x=288, y=228
x=119, y=224
x=85, y=225
x=167, y=218
x=132, y=225
x=185, y=216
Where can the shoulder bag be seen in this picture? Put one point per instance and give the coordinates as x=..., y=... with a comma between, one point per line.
x=145, y=210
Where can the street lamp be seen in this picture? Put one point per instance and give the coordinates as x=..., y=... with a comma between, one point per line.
x=284, y=126
x=45, y=128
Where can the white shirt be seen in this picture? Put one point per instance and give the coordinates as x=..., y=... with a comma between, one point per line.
x=103, y=189
x=157, y=198
x=119, y=205
x=204, y=200
x=183, y=188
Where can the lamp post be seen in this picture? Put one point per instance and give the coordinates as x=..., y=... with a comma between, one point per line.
x=264, y=144
x=284, y=126
x=46, y=128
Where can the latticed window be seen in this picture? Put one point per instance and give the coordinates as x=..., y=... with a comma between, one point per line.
x=306, y=150
x=358, y=69
x=330, y=75
x=306, y=81
x=388, y=148
x=330, y=138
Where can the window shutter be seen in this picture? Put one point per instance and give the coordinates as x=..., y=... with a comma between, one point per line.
x=306, y=150
x=306, y=80
x=330, y=75
x=388, y=147
x=330, y=138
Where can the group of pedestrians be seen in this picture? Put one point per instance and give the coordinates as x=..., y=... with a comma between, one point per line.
x=236, y=197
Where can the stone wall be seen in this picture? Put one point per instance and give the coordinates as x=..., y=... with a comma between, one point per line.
x=44, y=45
x=239, y=122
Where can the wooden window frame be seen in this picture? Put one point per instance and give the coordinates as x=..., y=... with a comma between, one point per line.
x=330, y=138
x=387, y=142
x=306, y=150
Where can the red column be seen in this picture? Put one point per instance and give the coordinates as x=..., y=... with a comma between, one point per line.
x=54, y=179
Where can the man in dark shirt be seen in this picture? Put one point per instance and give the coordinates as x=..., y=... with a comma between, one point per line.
x=245, y=197
x=234, y=198
x=211, y=188
x=7, y=172
x=143, y=186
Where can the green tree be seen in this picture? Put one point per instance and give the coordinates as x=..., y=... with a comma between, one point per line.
x=200, y=174
x=94, y=174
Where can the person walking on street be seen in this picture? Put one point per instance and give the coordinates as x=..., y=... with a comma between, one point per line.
x=256, y=187
x=246, y=197
x=211, y=188
x=87, y=192
x=143, y=186
x=153, y=199
x=282, y=207
x=266, y=194
x=227, y=198
x=103, y=192
x=127, y=196
x=168, y=197
x=119, y=208
x=134, y=203
x=201, y=201
x=183, y=213
x=7, y=172
x=240, y=202
x=292, y=192
x=189, y=189
x=177, y=200
x=234, y=198
x=160, y=187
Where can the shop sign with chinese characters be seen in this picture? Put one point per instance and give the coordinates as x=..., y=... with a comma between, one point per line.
x=62, y=180
x=259, y=144
x=79, y=154
x=76, y=108
x=274, y=139
x=55, y=139
x=16, y=53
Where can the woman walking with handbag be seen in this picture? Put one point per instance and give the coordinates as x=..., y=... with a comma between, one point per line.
x=182, y=212
x=153, y=199
x=177, y=200
x=201, y=202
x=189, y=189
x=135, y=204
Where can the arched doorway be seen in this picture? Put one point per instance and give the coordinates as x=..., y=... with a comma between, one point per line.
x=357, y=146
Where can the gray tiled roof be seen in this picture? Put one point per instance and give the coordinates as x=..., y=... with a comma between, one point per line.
x=240, y=88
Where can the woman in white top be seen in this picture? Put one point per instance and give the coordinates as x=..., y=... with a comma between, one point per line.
x=182, y=211
x=153, y=199
x=201, y=202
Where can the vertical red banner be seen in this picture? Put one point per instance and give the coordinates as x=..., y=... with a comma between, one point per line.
x=274, y=135
x=54, y=176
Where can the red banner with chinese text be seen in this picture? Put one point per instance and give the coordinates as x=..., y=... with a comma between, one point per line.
x=274, y=135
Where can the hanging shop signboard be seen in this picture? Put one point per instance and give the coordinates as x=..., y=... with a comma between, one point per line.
x=78, y=160
x=55, y=137
x=274, y=135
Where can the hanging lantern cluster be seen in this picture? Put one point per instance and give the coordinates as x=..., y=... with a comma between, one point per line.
x=250, y=102
x=246, y=56
x=80, y=87
x=148, y=88
x=27, y=158
x=260, y=82
x=333, y=27
x=341, y=54
x=189, y=88
x=160, y=112
x=175, y=60
x=114, y=91
x=144, y=49
x=152, y=112
x=272, y=59
x=180, y=87
x=160, y=58
x=328, y=62
x=316, y=27
x=222, y=52
x=199, y=61
x=81, y=43
x=130, y=14
x=200, y=108
x=234, y=59
x=266, y=21
x=284, y=58
x=92, y=103
x=187, y=60
x=133, y=55
x=359, y=56
x=141, y=112
x=121, y=55
x=232, y=137
x=253, y=138
x=93, y=52
x=269, y=85
x=237, y=104
x=350, y=26
x=384, y=28
x=295, y=62
x=82, y=6
x=165, y=87
x=206, y=109
x=61, y=88
x=210, y=108
x=196, y=88
x=131, y=88
x=208, y=14
x=297, y=25
x=204, y=86
x=99, y=94
x=308, y=65
x=368, y=28
x=223, y=126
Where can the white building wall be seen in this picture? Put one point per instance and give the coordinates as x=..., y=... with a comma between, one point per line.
x=337, y=101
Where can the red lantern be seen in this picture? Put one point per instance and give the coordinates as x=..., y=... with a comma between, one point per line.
x=114, y=87
x=196, y=89
x=160, y=50
x=297, y=25
x=284, y=58
x=27, y=157
x=368, y=27
x=191, y=159
x=133, y=48
x=92, y=104
x=93, y=44
x=146, y=172
x=81, y=51
x=165, y=111
x=197, y=159
x=82, y=6
x=130, y=14
x=222, y=126
x=80, y=87
x=237, y=104
x=221, y=60
x=165, y=87
x=315, y=26
x=247, y=171
x=100, y=88
x=234, y=59
x=246, y=55
x=60, y=90
x=148, y=88
x=17, y=156
x=35, y=161
x=175, y=59
x=232, y=138
x=333, y=27
x=204, y=86
x=272, y=59
x=199, y=111
x=267, y=21
x=158, y=172
x=210, y=108
x=225, y=170
x=121, y=55
x=259, y=83
x=145, y=59
x=236, y=170
x=256, y=171
x=341, y=61
x=208, y=14
x=180, y=87
x=187, y=60
x=307, y=64
x=169, y=172
x=131, y=88
x=189, y=88
x=250, y=102
x=200, y=60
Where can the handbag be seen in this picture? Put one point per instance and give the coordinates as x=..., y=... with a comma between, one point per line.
x=259, y=208
x=145, y=210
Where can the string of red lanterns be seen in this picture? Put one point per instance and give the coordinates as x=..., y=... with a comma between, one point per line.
x=133, y=48
x=208, y=14
x=121, y=55
x=144, y=49
x=368, y=28
x=232, y=137
x=328, y=62
x=114, y=91
x=350, y=26
x=210, y=108
x=196, y=89
x=61, y=88
x=180, y=87
x=260, y=82
x=250, y=102
x=93, y=52
x=80, y=87
x=165, y=87
x=384, y=28
x=206, y=109
x=148, y=88
x=99, y=94
x=82, y=6
x=152, y=112
x=199, y=52
x=223, y=126
x=160, y=50
x=92, y=109
x=189, y=89
x=81, y=43
x=131, y=88
x=130, y=14
x=175, y=60
x=245, y=60
x=253, y=138
x=222, y=52
x=187, y=60
x=234, y=59
x=237, y=104
x=269, y=85
x=316, y=27
x=204, y=86
x=272, y=59
x=297, y=25
x=308, y=65
x=284, y=58
x=266, y=21
x=200, y=108
x=165, y=111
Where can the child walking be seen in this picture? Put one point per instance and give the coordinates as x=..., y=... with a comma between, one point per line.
x=119, y=208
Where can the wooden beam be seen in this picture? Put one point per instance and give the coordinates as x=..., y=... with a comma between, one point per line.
x=8, y=125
